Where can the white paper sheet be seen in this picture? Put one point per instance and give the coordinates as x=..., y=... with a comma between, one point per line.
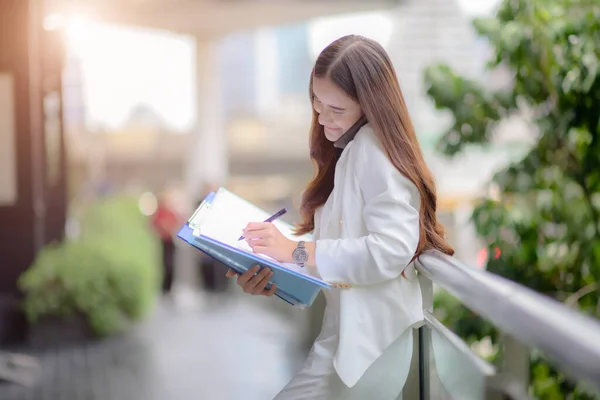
x=229, y=214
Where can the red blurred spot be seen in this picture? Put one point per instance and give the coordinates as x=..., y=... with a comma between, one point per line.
x=497, y=253
x=482, y=257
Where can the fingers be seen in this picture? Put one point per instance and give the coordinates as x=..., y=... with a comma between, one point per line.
x=256, y=235
x=254, y=282
x=257, y=284
x=230, y=273
x=260, y=249
x=259, y=230
x=262, y=283
x=259, y=242
x=271, y=291
x=246, y=276
x=258, y=226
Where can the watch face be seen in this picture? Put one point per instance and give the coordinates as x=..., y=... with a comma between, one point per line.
x=300, y=255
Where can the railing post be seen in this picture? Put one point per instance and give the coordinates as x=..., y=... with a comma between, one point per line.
x=425, y=339
x=515, y=363
x=417, y=384
x=412, y=388
x=494, y=389
x=424, y=362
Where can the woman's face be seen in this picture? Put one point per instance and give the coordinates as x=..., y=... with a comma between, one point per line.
x=337, y=112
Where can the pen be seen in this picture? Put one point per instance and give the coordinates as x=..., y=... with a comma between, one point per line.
x=271, y=218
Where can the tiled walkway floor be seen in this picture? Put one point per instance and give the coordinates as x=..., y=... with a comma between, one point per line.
x=193, y=347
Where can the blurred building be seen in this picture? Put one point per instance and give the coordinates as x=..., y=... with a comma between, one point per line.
x=259, y=114
x=34, y=77
x=32, y=156
x=264, y=82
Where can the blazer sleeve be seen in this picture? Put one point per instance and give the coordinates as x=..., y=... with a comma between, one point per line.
x=391, y=221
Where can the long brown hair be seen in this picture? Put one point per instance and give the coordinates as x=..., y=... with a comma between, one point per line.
x=364, y=71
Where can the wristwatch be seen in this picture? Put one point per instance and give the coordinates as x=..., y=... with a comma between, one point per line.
x=300, y=254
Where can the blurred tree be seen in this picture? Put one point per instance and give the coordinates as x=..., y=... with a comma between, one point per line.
x=547, y=220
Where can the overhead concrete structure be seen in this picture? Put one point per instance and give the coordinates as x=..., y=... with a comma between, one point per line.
x=207, y=21
x=210, y=18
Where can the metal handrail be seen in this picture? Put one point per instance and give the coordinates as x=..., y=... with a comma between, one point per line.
x=568, y=338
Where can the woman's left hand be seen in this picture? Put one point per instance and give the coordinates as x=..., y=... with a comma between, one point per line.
x=265, y=238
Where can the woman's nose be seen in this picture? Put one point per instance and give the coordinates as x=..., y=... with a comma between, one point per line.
x=324, y=118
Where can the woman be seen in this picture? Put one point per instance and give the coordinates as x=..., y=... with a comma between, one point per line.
x=372, y=209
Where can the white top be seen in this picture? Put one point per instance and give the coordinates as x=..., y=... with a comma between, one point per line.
x=366, y=234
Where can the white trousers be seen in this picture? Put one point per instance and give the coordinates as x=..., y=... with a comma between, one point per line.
x=383, y=380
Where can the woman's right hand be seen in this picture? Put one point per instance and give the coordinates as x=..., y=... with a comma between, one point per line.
x=255, y=285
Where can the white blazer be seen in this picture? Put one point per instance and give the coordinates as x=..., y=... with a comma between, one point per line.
x=366, y=238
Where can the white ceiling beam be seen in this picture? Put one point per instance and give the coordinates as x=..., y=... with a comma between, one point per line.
x=210, y=19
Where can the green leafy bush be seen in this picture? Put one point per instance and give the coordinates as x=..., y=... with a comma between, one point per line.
x=547, y=220
x=110, y=274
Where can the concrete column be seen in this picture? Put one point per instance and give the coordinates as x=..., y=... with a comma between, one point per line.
x=32, y=202
x=267, y=93
x=8, y=156
x=208, y=157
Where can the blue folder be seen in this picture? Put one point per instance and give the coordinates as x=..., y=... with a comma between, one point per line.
x=293, y=287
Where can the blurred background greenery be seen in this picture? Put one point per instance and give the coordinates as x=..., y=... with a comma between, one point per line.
x=109, y=272
x=543, y=221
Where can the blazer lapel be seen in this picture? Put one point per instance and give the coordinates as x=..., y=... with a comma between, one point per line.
x=330, y=227
x=332, y=210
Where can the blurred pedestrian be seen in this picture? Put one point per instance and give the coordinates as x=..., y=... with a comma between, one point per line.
x=166, y=222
